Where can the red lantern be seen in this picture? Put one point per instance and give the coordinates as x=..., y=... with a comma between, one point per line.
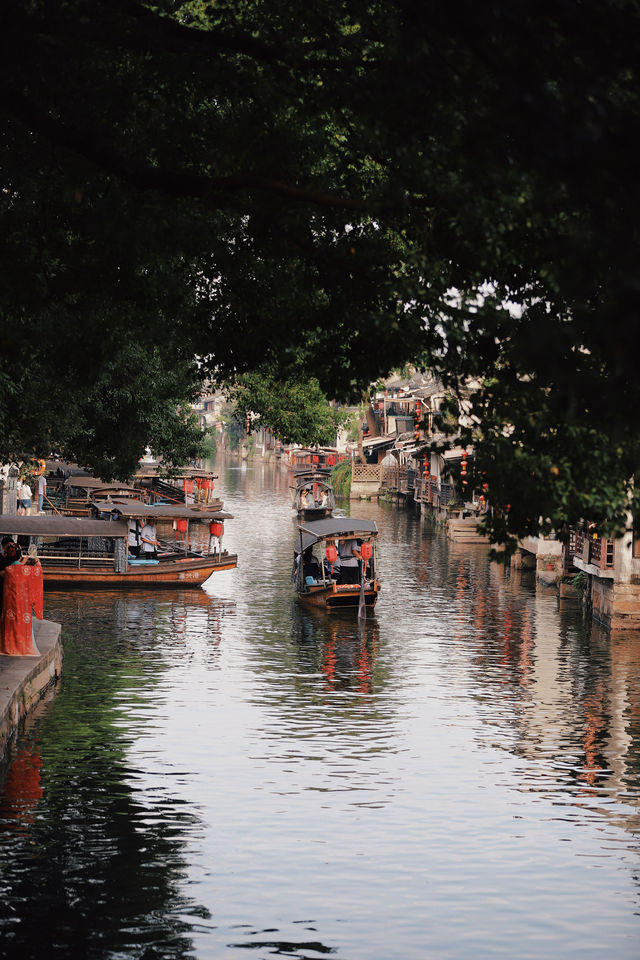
x=331, y=553
x=216, y=528
x=181, y=525
x=366, y=551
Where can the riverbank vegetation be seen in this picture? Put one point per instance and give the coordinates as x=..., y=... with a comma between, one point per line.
x=207, y=188
x=341, y=478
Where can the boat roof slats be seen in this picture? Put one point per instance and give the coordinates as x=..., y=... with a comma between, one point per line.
x=333, y=527
x=95, y=483
x=61, y=527
x=311, y=472
x=159, y=511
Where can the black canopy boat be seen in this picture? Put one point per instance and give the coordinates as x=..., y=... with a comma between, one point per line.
x=318, y=572
x=313, y=498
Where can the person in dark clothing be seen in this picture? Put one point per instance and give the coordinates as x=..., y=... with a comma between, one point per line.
x=349, y=553
x=10, y=553
x=311, y=567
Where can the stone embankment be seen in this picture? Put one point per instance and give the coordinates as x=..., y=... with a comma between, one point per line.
x=24, y=680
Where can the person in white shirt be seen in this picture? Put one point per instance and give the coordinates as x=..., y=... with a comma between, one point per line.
x=149, y=541
x=25, y=498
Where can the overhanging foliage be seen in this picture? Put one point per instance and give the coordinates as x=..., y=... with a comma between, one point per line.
x=269, y=182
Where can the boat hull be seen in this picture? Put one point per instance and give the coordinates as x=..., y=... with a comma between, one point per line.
x=174, y=573
x=339, y=597
x=314, y=513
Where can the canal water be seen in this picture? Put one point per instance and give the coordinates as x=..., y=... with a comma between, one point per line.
x=221, y=774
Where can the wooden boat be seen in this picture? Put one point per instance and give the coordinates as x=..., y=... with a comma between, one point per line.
x=78, y=490
x=316, y=574
x=190, y=486
x=313, y=498
x=79, y=551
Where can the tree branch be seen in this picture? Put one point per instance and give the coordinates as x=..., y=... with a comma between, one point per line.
x=176, y=184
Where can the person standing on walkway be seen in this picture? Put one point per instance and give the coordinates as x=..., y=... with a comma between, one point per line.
x=25, y=498
x=42, y=491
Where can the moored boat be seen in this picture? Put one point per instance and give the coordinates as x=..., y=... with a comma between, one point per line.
x=79, y=551
x=324, y=573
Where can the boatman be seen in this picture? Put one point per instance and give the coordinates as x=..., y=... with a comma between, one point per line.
x=349, y=554
x=134, y=537
x=149, y=540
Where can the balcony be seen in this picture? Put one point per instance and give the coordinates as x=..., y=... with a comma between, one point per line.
x=592, y=550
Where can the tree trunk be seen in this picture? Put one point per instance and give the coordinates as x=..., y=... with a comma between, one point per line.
x=372, y=421
x=361, y=456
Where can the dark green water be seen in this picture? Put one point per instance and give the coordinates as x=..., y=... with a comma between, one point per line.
x=221, y=774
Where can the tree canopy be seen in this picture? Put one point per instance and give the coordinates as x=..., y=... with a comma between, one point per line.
x=295, y=410
x=345, y=188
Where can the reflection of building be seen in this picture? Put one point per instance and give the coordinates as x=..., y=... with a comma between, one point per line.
x=558, y=693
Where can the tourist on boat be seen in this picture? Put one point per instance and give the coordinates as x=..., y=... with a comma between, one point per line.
x=349, y=555
x=134, y=537
x=149, y=540
x=306, y=500
x=324, y=499
x=310, y=565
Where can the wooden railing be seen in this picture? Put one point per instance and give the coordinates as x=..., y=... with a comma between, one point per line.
x=365, y=472
x=426, y=490
x=394, y=478
x=593, y=549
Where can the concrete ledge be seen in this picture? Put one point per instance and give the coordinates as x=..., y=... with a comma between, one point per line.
x=592, y=570
x=465, y=530
x=23, y=680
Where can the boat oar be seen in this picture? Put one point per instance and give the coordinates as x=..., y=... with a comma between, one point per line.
x=362, y=607
x=52, y=505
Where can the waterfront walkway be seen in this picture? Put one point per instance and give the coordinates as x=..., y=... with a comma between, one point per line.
x=23, y=680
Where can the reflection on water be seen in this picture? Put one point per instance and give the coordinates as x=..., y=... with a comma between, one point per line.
x=223, y=771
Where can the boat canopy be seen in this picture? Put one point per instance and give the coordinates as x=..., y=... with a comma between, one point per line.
x=311, y=482
x=94, y=486
x=44, y=526
x=331, y=527
x=311, y=473
x=155, y=471
x=159, y=511
x=94, y=483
